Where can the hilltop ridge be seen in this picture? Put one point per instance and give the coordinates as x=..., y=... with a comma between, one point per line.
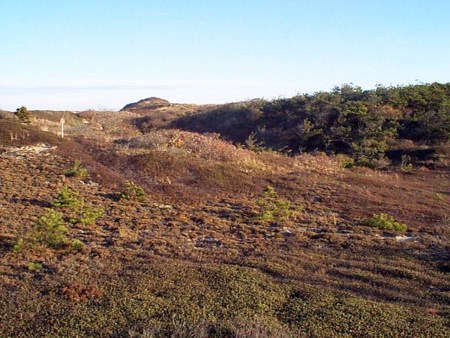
x=147, y=104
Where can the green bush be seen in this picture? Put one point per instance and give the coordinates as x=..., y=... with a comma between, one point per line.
x=68, y=198
x=89, y=215
x=77, y=171
x=133, y=191
x=345, y=161
x=50, y=230
x=76, y=245
x=385, y=222
x=78, y=212
x=272, y=207
x=18, y=245
x=368, y=151
x=35, y=266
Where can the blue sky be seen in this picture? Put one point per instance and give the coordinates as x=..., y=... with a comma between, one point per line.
x=81, y=54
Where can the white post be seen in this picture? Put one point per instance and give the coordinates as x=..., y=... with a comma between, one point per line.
x=62, y=126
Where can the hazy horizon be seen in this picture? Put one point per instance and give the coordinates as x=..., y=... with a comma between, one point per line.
x=102, y=54
x=147, y=92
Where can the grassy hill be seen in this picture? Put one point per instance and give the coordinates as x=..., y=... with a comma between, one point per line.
x=226, y=239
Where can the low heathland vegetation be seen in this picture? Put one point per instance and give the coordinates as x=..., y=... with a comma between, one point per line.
x=131, y=227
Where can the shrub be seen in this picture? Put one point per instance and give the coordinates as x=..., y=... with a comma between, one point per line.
x=23, y=115
x=77, y=171
x=19, y=245
x=35, y=266
x=76, y=245
x=273, y=208
x=89, y=215
x=385, y=222
x=368, y=151
x=133, y=191
x=252, y=143
x=406, y=165
x=345, y=161
x=78, y=213
x=68, y=198
x=50, y=230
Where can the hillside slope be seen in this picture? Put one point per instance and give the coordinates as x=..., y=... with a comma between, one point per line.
x=210, y=251
x=371, y=126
